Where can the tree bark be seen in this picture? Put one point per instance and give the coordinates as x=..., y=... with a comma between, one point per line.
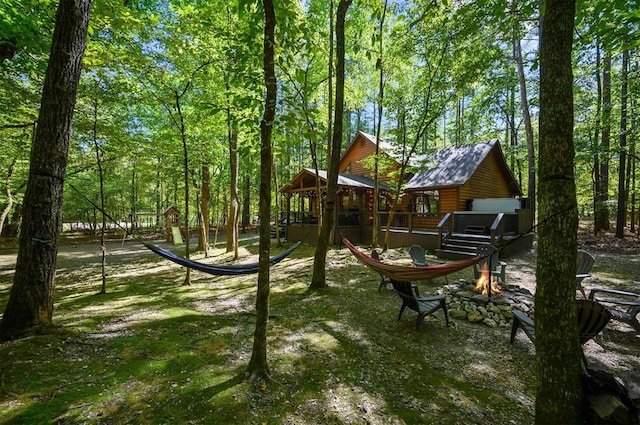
x=99, y=156
x=602, y=211
x=595, y=144
x=185, y=169
x=258, y=367
x=526, y=116
x=205, y=201
x=246, y=201
x=30, y=305
x=376, y=157
x=10, y=199
x=558, y=350
x=621, y=216
x=318, y=280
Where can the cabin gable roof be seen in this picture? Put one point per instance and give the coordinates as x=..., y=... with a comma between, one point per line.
x=367, y=144
x=453, y=167
x=305, y=180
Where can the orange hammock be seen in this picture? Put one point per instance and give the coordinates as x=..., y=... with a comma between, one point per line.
x=409, y=273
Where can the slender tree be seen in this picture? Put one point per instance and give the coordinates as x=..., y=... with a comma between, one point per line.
x=318, y=280
x=602, y=210
x=99, y=163
x=621, y=216
x=558, y=351
x=258, y=367
x=30, y=305
x=526, y=115
x=376, y=158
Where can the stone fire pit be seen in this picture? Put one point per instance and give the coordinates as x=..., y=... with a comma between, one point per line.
x=464, y=303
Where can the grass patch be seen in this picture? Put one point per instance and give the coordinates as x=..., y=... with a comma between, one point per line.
x=154, y=351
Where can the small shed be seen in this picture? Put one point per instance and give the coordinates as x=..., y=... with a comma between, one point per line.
x=171, y=221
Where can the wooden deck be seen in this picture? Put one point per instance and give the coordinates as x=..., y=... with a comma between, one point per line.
x=400, y=237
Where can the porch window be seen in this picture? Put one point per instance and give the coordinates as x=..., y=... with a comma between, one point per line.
x=427, y=204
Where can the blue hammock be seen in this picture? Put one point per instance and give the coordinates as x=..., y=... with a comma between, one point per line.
x=218, y=270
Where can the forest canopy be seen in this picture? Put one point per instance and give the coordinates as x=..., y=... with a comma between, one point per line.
x=160, y=75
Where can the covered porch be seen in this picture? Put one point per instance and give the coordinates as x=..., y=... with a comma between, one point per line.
x=354, y=205
x=450, y=234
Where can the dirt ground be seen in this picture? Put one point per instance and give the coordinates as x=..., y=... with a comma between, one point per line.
x=464, y=374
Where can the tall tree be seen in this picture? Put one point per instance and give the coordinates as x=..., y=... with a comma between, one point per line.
x=376, y=158
x=99, y=163
x=558, y=351
x=318, y=280
x=258, y=367
x=30, y=305
x=601, y=215
x=526, y=115
x=621, y=215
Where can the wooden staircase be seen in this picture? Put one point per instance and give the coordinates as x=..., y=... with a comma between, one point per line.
x=461, y=245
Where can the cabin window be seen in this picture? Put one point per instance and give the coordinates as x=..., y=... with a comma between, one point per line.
x=426, y=204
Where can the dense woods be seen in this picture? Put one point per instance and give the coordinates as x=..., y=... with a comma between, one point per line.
x=164, y=83
x=192, y=103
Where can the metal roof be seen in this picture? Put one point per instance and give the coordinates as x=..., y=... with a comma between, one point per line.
x=450, y=166
x=350, y=180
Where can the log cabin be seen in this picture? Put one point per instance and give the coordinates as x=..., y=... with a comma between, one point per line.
x=452, y=200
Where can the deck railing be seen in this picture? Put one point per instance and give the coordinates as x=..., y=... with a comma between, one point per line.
x=445, y=228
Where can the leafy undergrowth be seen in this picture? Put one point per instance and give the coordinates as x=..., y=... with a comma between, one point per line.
x=154, y=351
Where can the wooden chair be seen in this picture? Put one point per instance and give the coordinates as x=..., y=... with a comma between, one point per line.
x=383, y=279
x=592, y=319
x=424, y=306
x=418, y=258
x=489, y=256
x=584, y=264
x=624, y=306
x=417, y=255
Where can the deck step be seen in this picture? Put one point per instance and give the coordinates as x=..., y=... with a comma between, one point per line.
x=453, y=254
x=462, y=245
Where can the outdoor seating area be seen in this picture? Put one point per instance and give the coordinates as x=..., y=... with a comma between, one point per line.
x=489, y=259
x=594, y=311
x=419, y=258
x=584, y=264
x=592, y=319
x=383, y=279
x=424, y=306
x=624, y=306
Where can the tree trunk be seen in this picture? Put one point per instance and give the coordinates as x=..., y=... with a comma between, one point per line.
x=205, y=201
x=258, y=367
x=103, y=247
x=234, y=202
x=595, y=145
x=558, y=350
x=621, y=216
x=30, y=305
x=185, y=170
x=246, y=201
x=318, y=279
x=10, y=199
x=276, y=189
x=602, y=213
x=526, y=116
x=376, y=157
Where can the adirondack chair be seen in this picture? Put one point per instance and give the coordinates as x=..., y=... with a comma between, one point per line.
x=624, y=306
x=383, y=279
x=417, y=255
x=418, y=258
x=592, y=318
x=489, y=256
x=584, y=264
x=424, y=306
